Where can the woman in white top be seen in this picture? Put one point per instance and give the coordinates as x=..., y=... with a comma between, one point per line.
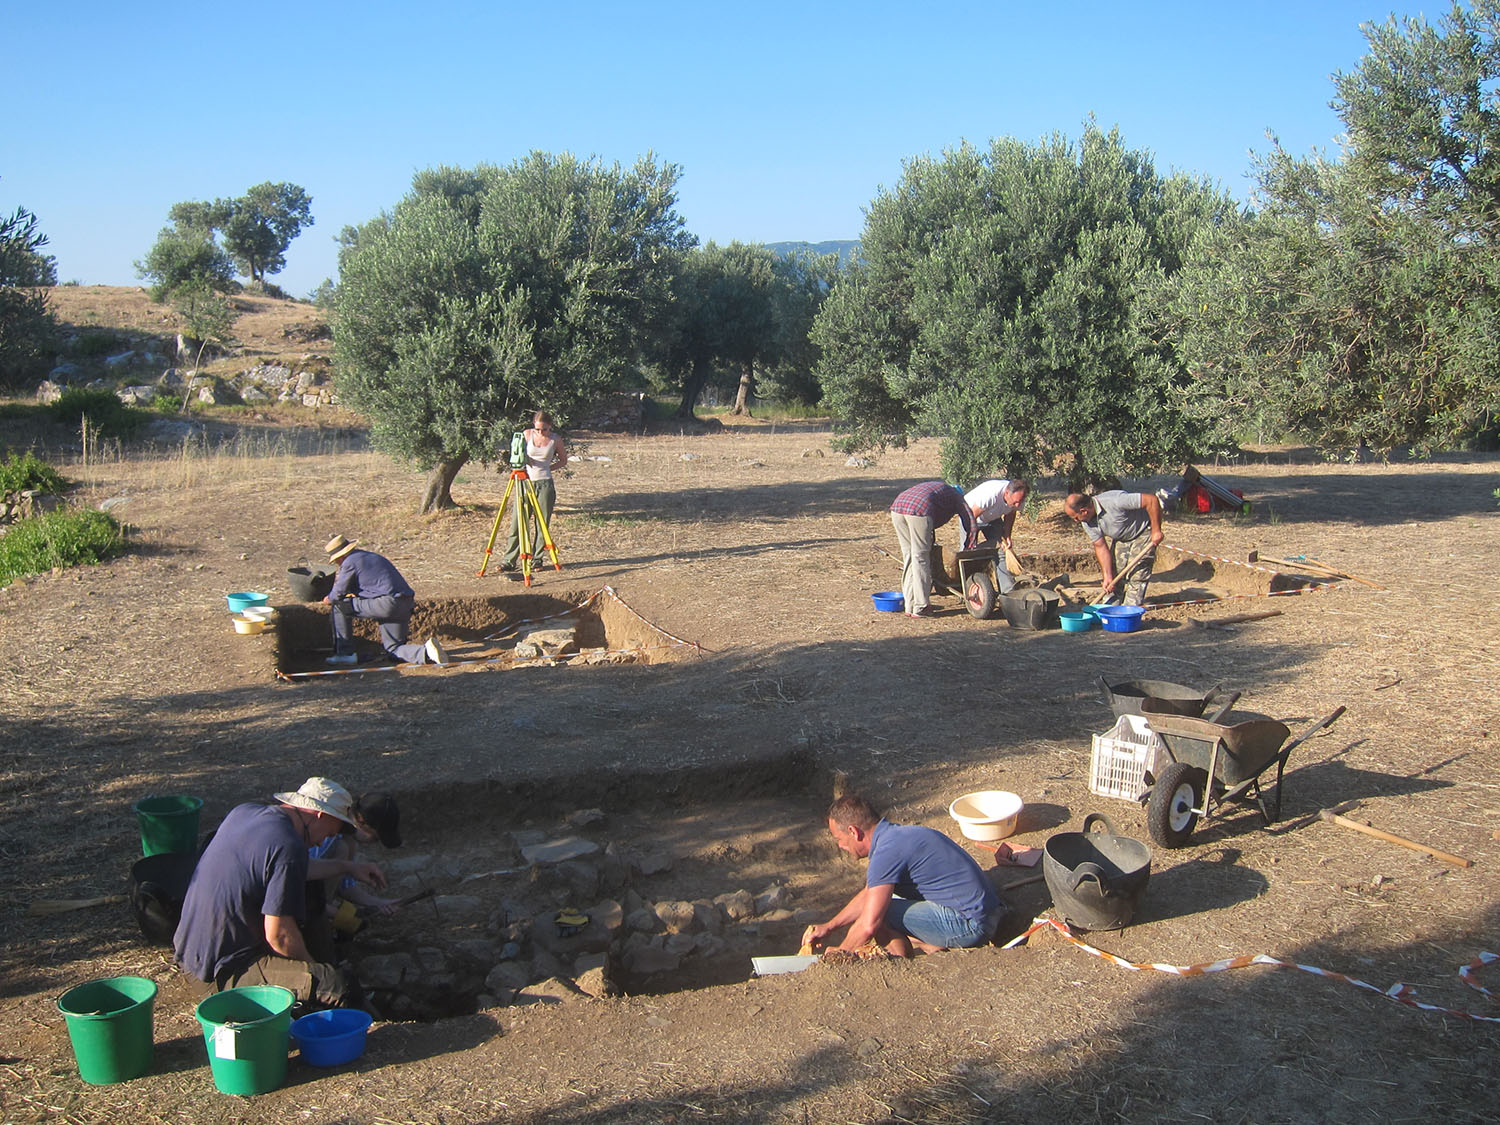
x=544, y=452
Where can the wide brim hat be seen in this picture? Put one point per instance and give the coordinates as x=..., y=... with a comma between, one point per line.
x=318, y=794
x=338, y=547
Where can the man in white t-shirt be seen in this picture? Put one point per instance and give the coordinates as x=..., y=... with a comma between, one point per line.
x=995, y=504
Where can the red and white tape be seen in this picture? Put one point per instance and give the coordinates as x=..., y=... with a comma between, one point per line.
x=1400, y=993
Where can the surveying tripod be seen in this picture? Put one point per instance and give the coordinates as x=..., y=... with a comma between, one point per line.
x=526, y=505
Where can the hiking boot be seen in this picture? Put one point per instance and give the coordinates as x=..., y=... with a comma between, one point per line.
x=342, y=658
x=435, y=652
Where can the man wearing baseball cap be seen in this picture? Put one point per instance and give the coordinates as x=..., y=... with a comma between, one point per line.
x=243, y=913
x=369, y=585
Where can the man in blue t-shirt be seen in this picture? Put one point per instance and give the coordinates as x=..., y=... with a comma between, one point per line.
x=242, y=915
x=922, y=890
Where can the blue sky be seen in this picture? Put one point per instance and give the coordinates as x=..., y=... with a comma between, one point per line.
x=785, y=118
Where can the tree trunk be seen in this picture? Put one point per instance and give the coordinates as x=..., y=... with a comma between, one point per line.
x=436, y=495
x=747, y=388
x=693, y=387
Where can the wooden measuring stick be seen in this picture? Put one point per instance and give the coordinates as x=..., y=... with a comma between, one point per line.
x=1392, y=838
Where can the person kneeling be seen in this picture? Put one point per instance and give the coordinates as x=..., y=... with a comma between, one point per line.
x=922, y=890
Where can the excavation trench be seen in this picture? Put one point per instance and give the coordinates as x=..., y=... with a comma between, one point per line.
x=521, y=630
x=590, y=886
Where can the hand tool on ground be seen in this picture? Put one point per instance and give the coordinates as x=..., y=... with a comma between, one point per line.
x=1392, y=838
x=1304, y=821
x=1302, y=562
x=44, y=906
x=1234, y=618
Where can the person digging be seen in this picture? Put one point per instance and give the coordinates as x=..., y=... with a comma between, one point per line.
x=369, y=585
x=244, y=911
x=335, y=904
x=922, y=891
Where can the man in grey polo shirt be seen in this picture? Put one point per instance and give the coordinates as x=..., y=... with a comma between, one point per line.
x=1123, y=527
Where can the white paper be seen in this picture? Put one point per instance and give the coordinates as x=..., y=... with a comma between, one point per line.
x=224, y=1041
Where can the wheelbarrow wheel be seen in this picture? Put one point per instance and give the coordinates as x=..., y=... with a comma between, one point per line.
x=1176, y=797
x=979, y=595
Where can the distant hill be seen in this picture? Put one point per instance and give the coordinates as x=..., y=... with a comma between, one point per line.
x=847, y=249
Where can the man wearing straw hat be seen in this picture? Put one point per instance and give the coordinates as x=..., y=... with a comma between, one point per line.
x=243, y=913
x=369, y=585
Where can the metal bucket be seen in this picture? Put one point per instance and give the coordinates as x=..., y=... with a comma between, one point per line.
x=1096, y=878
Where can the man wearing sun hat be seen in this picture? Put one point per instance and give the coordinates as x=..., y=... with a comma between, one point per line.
x=243, y=913
x=369, y=585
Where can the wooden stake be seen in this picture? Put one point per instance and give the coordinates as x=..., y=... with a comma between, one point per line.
x=1234, y=619
x=1392, y=838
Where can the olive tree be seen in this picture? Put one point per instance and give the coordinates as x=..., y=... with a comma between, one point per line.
x=1360, y=304
x=488, y=293
x=1001, y=303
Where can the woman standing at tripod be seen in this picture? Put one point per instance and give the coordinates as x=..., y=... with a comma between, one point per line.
x=545, y=451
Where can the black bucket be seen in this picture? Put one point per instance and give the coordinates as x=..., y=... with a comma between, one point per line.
x=1035, y=608
x=311, y=583
x=1166, y=698
x=158, y=886
x=1096, y=878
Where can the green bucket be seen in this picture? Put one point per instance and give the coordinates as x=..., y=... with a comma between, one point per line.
x=168, y=824
x=109, y=1022
x=248, y=1034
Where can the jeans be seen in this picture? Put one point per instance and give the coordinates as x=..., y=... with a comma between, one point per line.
x=941, y=925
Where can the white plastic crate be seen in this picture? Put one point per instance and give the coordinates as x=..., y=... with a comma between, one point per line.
x=1121, y=757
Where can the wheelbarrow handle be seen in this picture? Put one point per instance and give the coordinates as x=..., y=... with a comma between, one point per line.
x=1327, y=720
x=1223, y=708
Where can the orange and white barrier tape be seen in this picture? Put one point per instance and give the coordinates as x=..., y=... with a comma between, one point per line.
x=1400, y=993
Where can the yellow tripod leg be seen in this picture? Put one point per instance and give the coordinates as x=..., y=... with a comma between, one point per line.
x=494, y=531
x=523, y=526
x=546, y=532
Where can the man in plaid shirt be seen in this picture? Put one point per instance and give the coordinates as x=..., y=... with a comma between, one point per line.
x=917, y=514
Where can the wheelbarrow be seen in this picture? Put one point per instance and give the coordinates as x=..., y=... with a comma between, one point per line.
x=976, y=578
x=1213, y=762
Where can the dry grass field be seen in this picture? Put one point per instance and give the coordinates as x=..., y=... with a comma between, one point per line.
x=763, y=547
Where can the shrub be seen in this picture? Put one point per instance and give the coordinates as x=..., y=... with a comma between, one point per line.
x=93, y=344
x=67, y=537
x=28, y=471
x=108, y=416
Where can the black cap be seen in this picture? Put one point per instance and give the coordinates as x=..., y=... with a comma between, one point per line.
x=379, y=812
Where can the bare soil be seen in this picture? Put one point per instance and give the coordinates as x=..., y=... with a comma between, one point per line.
x=762, y=547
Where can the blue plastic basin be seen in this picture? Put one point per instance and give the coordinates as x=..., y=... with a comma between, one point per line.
x=889, y=602
x=1076, y=621
x=331, y=1038
x=1120, y=618
x=242, y=601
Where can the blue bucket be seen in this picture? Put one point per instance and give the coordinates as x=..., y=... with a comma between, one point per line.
x=332, y=1037
x=242, y=601
x=1121, y=618
x=889, y=602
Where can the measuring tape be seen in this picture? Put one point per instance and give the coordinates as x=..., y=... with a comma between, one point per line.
x=1400, y=993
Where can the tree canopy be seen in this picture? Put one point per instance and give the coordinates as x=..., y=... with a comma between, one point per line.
x=205, y=243
x=1001, y=303
x=26, y=325
x=488, y=293
x=1360, y=304
x=259, y=226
